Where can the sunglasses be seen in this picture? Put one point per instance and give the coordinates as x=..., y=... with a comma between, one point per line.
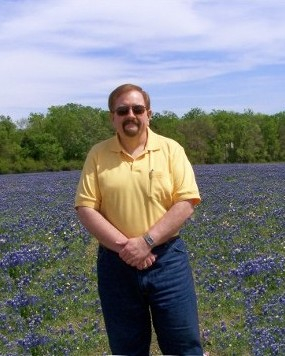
x=124, y=110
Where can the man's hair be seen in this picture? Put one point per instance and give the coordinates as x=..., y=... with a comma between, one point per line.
x=124, y=88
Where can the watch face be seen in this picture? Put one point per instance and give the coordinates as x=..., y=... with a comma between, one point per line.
x=149, y=240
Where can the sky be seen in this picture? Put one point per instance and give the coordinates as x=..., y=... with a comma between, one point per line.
x=207, y=54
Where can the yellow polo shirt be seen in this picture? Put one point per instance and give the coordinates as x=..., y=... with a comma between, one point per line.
x=133, y=194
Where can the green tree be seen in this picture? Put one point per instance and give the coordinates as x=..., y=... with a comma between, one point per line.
x=77, y=128
x=43, y=147
x=167, y=124
x=199, y=133
x=269, y=126
x=248, y=141
x=223, y=146
x=62, y=138
x=280, y=117
x=10, y=149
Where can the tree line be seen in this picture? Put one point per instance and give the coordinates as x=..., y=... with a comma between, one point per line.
x=61, y=139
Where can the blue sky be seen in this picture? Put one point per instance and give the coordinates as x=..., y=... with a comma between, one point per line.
x=210, y=54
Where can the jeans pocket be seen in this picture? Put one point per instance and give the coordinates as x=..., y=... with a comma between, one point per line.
x=178, y=246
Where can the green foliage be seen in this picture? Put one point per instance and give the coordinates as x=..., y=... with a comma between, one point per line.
x=77, y=128
x=167, y=124
x=200, y=135
x=9, y=139
x=61, y=139
x=43, y=147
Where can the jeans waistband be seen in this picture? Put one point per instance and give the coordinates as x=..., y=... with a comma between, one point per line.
x=169, y=241
x=166, y=244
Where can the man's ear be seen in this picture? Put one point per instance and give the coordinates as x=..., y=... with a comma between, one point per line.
x=149, y=114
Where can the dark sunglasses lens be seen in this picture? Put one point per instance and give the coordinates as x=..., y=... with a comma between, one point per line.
x=138, y=109
x=123, y=110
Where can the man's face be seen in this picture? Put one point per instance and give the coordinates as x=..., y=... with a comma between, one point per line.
x=130, y=123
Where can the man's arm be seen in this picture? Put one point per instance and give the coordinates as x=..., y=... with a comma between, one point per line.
x=135, y=250
x=107, y=234
x=100, y=227
x=171, y=221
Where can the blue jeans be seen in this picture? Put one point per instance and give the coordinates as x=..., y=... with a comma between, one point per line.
x=163, y=294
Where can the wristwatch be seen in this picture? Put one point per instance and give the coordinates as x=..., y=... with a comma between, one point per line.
x=149, y=240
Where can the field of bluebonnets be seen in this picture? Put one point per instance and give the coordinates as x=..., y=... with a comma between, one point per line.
x=48, y=294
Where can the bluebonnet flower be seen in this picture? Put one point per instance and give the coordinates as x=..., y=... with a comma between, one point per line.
x=235, y=243
x=32, y=340
x=22, y=300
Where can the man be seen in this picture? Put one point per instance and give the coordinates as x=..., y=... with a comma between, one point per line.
x=135, y=192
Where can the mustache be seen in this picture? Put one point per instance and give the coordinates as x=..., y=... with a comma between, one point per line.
x=128, y=121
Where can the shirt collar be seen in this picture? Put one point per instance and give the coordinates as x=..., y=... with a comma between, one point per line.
x=152, y=141
x=115, y=145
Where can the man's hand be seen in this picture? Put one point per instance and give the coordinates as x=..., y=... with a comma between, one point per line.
x=148, y=262
x=136, y=253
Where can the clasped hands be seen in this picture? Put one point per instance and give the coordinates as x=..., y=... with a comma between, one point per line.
x=136, y=253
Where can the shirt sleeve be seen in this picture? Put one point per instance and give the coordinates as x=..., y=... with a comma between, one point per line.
x=185, y=186
x=88, y=192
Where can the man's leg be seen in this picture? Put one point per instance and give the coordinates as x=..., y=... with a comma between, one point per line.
x=173, y=301
x=126, y=313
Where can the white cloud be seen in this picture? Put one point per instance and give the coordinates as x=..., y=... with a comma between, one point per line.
x=59, y=51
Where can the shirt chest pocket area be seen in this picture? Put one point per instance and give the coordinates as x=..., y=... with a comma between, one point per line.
x=160, y=187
